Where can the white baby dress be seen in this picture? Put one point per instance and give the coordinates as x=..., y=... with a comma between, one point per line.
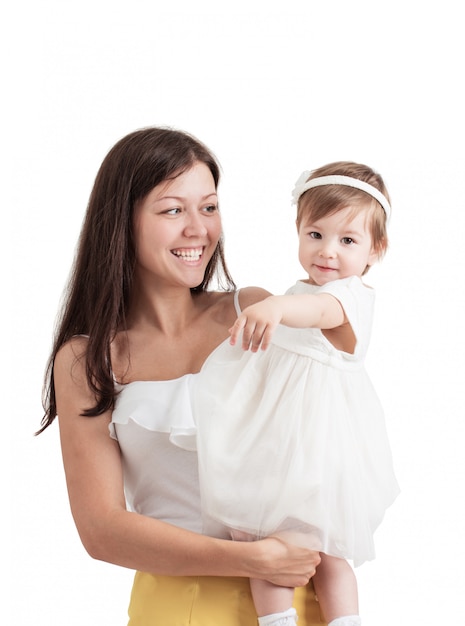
x=293, y=440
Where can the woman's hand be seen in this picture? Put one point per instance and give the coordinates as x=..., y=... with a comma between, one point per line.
x=285, y=564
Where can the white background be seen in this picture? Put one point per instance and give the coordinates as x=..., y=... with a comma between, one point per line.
x=272, y=88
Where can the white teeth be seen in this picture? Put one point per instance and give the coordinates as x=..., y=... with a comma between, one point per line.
x=191, y=255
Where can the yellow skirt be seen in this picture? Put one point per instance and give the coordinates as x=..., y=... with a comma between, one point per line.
x=205, y=601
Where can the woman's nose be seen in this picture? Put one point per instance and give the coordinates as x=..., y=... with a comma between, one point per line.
x=194, y=226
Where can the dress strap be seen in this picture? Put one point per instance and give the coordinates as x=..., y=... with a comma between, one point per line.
x=237, y=306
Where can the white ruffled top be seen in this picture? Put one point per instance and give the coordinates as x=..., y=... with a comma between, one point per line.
x=154, y=425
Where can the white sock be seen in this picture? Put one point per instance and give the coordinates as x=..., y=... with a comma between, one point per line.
x=285, y=618
x=348, y=620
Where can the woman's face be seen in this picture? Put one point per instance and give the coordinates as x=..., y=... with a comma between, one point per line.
x=176, y=228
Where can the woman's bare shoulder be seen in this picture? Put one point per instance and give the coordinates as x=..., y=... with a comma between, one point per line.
x=251, y=295
x=71, y=351
x=224, y=301
x=69, y=366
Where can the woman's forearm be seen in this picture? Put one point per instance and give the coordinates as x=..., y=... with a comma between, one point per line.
x=150, y=545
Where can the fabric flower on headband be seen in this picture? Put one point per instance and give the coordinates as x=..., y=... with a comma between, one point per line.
x=299, y=186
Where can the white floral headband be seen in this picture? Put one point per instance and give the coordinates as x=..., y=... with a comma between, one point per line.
x=303, y=184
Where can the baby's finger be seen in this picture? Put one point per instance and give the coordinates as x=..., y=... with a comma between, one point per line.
x=266, y=338
x=248, y=333
x=258, y=335
x=235, y=330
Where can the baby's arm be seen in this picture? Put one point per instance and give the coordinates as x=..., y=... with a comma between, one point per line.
x=258, y=322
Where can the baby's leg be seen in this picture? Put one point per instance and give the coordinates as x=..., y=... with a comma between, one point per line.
x=272, y=603
x=336, y=588
x=269, y=598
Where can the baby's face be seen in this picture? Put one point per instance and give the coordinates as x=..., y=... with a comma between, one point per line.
x=336, y=246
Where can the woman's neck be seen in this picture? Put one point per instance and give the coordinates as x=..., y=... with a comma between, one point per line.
x=169, y=310
x=171, y=335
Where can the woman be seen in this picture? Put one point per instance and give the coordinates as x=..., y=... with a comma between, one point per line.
x=137, y=325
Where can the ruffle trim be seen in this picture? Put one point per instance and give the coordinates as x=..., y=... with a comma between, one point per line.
x=158, y=406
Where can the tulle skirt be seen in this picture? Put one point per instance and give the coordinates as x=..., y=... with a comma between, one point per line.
x=205, y=601
x=290, y=443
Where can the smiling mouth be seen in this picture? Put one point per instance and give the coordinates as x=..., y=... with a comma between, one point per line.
x=188, y=254
x=323, y=268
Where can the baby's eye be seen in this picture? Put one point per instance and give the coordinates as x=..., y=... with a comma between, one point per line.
x=314, y=235
x=347, y=240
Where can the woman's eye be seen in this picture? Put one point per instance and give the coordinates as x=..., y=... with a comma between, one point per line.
x=211, y=208
x=173, y=211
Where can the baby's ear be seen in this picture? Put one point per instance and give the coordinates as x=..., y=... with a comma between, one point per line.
x=379, y=250
x=375, y=256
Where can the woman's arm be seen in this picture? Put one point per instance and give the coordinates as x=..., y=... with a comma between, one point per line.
x=258, y=321
x=111, y=533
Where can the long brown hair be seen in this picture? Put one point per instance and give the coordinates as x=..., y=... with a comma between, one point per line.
x=100, y=285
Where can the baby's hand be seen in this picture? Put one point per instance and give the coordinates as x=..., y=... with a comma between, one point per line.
x=257, y=323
